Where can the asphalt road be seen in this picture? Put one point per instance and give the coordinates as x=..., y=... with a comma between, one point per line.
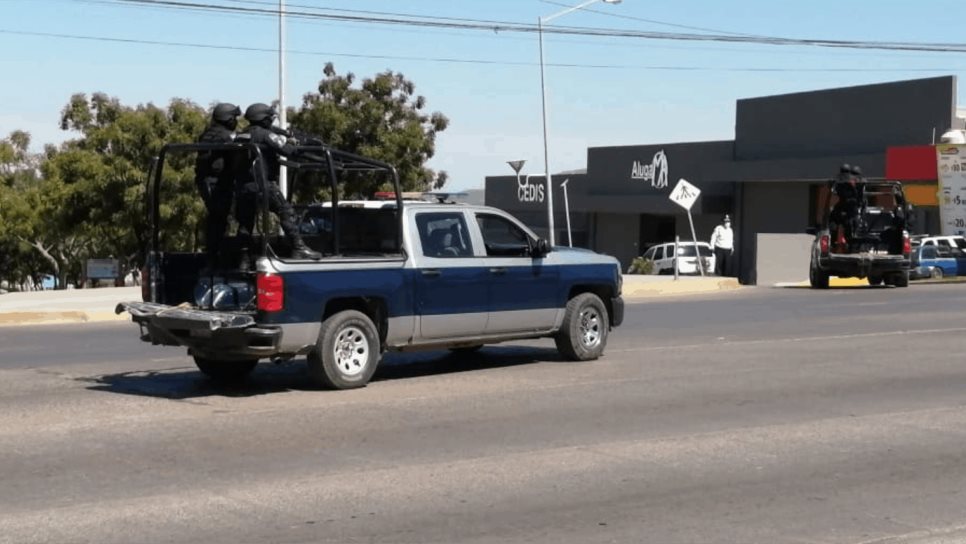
x=772, y=416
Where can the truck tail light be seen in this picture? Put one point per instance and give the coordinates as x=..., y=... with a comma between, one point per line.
x=823, y=244
x=906, y=243
x=271, y=292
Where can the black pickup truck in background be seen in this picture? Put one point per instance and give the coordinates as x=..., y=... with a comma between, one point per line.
x=870, y=240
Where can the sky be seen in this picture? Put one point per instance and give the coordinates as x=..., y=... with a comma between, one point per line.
x=623, y=91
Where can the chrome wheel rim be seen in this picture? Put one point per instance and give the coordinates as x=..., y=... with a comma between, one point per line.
x=351, y=351
x=589, y=327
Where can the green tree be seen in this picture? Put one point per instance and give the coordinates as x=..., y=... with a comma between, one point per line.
x=103, y=174
x=27, y=249
x=382, y=118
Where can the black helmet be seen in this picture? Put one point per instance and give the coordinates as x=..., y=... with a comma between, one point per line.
x=856, y=171
x=258, y=113
x=845, y=169
x=225, y=111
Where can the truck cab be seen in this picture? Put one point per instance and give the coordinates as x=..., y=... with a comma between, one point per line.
x=394, y=276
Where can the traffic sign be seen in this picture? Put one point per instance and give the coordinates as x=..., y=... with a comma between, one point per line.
x=684, y=194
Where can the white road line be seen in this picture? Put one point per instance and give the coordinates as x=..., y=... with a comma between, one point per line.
x=790, y=339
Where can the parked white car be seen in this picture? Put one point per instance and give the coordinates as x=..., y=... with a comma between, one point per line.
x=662, y=255
x=958, y=242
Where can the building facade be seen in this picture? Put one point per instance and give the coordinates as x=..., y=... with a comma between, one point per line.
x=772, y=178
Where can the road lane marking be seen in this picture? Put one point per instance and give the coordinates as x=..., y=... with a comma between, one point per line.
x=790, y=339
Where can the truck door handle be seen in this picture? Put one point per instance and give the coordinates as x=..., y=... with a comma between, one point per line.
x=431, y=272
x=499, y=270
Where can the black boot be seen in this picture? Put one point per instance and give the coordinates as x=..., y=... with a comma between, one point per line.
x=301, y=251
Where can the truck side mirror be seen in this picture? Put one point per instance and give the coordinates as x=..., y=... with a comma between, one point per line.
x=541, y=248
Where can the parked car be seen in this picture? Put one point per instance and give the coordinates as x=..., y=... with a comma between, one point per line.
x=937, y=261
x=958, y=242
x=662, y=255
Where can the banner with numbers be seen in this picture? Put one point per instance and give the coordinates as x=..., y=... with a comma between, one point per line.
x=952, y=188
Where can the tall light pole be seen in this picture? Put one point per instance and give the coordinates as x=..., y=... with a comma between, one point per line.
x=543, y=97
x=282, y=121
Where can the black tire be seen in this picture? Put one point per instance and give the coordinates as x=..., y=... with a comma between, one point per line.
x=225, y=371
x=875, y=280
x=818, y=279
x=466, y=350
x=901, y=279
x=583, y=334
x=347, y=352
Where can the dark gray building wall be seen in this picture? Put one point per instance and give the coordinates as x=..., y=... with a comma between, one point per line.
x=850, y=120
x=616, y=235
x=775, y=208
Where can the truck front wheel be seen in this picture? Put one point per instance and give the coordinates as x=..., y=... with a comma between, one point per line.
x=347, y=352
x=225, y=371
x=583, y=333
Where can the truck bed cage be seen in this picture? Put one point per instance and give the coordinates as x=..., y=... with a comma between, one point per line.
x=314, y=157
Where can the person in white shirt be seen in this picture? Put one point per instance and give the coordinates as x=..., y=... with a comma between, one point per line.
x=723, y=243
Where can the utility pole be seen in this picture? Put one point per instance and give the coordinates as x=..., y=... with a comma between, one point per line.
x=282, y=121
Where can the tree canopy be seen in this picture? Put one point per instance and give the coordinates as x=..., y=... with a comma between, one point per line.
x=380, y=117
x=86, y=197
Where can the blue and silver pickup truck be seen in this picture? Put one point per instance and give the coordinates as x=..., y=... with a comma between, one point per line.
x=393, y=277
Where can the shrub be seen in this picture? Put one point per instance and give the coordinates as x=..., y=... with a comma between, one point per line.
x=640, y=265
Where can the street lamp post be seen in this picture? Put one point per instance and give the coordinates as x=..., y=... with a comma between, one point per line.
x=282, y=121
x=570, y=237
x=543, y=97
x=517, y=166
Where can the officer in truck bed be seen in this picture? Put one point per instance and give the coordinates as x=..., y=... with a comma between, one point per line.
x=215, y=174
x=273, y=145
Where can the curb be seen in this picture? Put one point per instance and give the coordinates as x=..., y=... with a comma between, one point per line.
x=669, y=289
x=14, y=319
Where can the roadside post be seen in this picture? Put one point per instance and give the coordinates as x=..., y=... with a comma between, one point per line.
x=677, y=240
x=570, y=238
x=684, y=195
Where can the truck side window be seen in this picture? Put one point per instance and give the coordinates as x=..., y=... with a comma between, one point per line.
x=444, y=235
x=659, y=253
x=502, y=238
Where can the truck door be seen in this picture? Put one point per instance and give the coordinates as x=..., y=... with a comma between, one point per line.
x=522, y=290
x=451, y=297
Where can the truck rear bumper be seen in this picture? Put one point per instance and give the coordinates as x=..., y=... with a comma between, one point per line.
x=216, y=334
x=863, y=265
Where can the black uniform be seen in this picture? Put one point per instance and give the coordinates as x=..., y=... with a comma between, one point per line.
x=215, y=179
x=848, y=186
x=272, y=146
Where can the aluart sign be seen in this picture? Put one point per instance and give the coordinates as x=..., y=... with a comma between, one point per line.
x=656, y=172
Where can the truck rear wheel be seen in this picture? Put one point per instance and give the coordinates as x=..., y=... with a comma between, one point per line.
x=875, y=280
x=583, y=334
x=901, y=279
x=818, y=279
x=225, y=371
x=347, y=352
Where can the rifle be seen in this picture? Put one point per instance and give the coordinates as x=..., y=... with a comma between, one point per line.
x=300, y=137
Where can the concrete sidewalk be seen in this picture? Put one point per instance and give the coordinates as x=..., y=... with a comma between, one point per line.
x=97, y=305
